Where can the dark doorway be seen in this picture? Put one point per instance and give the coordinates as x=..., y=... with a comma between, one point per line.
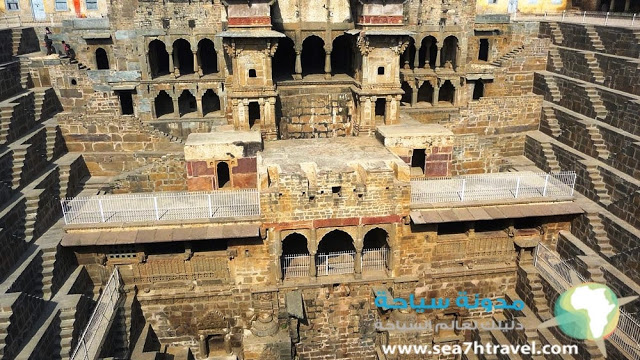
x=158, y=58
x=447, y=92
x=126, y=102
x=375, y=239
x=478, y=90
x=254, y=113
x=222, y=175
x=449, y=51
x=428, y=52
x=183, y=56
x=483, y=52
x=409, y=55
x=102, y=61
x=408, y=91
x=208, y=57
x=187, y=103
x=342, y=55
x=295, y=244
x=210, y=102
x=335, y=241
x=163, y=104
x=381, y=107
x=425, y=93
x=284, y=60
x=418, y=159
x=313, y=55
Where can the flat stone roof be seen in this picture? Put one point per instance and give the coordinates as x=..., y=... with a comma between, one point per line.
x=413, y=129
x=331, y=154
x=223, y=137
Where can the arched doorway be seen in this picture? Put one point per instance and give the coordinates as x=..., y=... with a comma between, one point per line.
x=313, y=55
x=483, y=51
x=187, y=103
x=102, y=61
x=409, y=55
x=295, y=257
x=375, y=251
x=254, y=114
x=208, y=57
x=425, y=93
x=223, y=175
x=183, y=56
x=163, y=104
x=381, y=109
x=342, y=55
x=336, y=254
x=447, y=92
x=284, y=60
x=408, y=93
x=158, y=59
x=210, y=102
x=449, y=51
x=478, y=89
x=428, y=52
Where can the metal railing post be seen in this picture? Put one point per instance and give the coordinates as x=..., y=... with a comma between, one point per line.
x=155, y=204
x=573, y=183
x=633, y=19
x=101, y=210
x=563, y=14
x=518, y=187
x=606, y=19
x=210, y=206
x=584, y=15
x=546, y=182
x=464, y=184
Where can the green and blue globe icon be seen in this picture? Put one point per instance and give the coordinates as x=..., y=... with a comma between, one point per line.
x=588, y=311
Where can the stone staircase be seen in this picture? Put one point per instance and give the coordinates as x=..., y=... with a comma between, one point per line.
x=594, y=67
x=550, y=125
x=556, y=34
x=598, y=184
x=52, y=133
x=48, y=264
x=508, y=56
x=599, y=234
x=540, y=303
x=19, y=156
x=554, y=91
x=596, y=42
x=16, y=38
x=556, y=59
x=598, y=142
x=596, y=102
x=153, y=130
x=552, y=163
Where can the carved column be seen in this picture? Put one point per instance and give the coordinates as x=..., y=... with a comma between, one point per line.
x=427, y=54
x=277, y=246
x=312, y=246
x=196, y=64
x=199, y=105
x=407, y=55
x=176, y=61
x=358, y=244
x=202, y=345
x=416, y=58
x=171, y=67
x=387, y=111
x=438, y=54
x=298, y=74
x=414, y=95
x=436, y=94
x=176, y=106
x=327, y=65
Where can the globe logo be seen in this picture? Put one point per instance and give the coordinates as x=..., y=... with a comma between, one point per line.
x=588, y=311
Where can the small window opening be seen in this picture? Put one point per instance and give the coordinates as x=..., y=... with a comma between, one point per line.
x=336, y=190
x=381, y=70
x=252, y=73
x=222, y=171
x=126, y=102
x=483, y=53
x=418, y=160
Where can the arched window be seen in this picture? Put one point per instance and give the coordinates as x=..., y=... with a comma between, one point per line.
x=336, y=254
x=163, y=104
x=208, y=57
x=425, y=93
x=428, y=52
x=375, y=251
x=409, y=55
x=449, y=51
x=447, y=92
x=183, y=56
x=102, y=61
x=187, y=103
x=284, y=60
x=295, y=258
x=313, y=55
x=210, y=102
x=342, y=55
x=158, y=59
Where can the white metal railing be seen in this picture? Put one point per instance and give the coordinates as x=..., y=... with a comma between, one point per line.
x=335, y=263
x=160, y=206
x=496, y=186
x=296, y=265
x=585, y=17
x=375, y=259
x=554, y=269
x=89, y=344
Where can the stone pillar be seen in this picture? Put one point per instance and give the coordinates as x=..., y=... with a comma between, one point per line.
x=436, y=94
x=416, y=58
x=392, y=245
x=312, y=264
x=427, y=54
x=269, y=123
x=171, y=67
x=387, y=111
x=627, y=5
x=298, y=74
x=455, y=95
x=244, y=115
x=196, y=64
x=176, y=107
x=327, y=65
x=407, y=55
x=202, y=346
x=261, y=102
x=358, y=244
x=199, y=105
x=414, y=96
x=312, y=246
x=438, y=54
x=147, y=74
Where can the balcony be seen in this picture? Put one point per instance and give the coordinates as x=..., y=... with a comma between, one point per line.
x=151, y=207
x=491, y=187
